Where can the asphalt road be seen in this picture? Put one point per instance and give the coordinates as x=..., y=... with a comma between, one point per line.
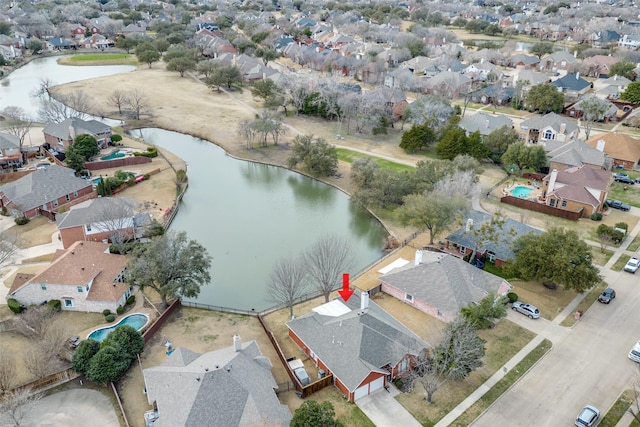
x=587, y=365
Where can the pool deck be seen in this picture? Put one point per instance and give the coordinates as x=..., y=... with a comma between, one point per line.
x=536, y=190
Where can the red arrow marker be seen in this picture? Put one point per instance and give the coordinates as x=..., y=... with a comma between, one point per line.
x=345, y=293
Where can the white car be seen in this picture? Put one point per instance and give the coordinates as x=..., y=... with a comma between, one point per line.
x=634, y=353
x=632, y=265
x=587, y=417
x=526, y=309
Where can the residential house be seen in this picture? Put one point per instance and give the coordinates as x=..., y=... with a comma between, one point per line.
x=576, y=110
x=528, y=78
x=59, y=43
x=359, y=343
x=10, y=156
x=623, y=149
x=523, y=61
x=135, y=30
x=448, y=84
x=85, y=278
x=566, y=155
x=629, y=41
x=484, y=123
x=612, y=87
x=558, y=61
x=98, y=219
x=549, y=127
x=572, y=85
x=598, y=65
x=96, y=41
x=44, y=192
x=499, y=251
x=78, y=32
x=605, y=39
x=483, y=71
x=441, y=284
x=494, y=94
x=228, y=387
x=61, y=135
x=578, y=189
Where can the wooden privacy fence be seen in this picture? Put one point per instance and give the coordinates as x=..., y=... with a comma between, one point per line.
x=309, y=389
x=280, y=354
x=117, y=163
x=49, y=381
x=151, y=330
x=540, y=207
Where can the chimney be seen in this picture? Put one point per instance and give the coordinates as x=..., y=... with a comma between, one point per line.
x=575, y=53
x=486, y=124
x=72, y=132
x=552, y=180
x=237, y=343
x=418, y=259
x=469, y=225
x=578, y=75
x=364, y=300
x=600, y=145
x=563, y=127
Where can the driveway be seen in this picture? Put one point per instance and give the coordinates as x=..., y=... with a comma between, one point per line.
x=589, y=365
x=385, y=411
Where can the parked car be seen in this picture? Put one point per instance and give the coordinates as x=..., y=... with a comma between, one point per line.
x=617, y=204
x=634, y=353
x=588, y=416
x=632, y=265
x=606, y=296
x=624, y=180
x=526, y=309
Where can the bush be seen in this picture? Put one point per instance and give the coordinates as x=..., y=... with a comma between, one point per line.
x=14, y=305
x=22, y=220
x=622, y=225
x=120, y=309
x=131, y=300
x=151, y=153
x=146, y=176
x=604, y=231
x=512, y=296
x=116, y=138
x=596, y=216
x=106, y=312
x=109, y=318
x=55, y=304
x=3, y=211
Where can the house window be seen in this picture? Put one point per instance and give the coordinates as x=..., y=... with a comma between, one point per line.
x=55, y=203
x=552, y=202
x=75, y=194
x=491, y=257
x=564, y=203
x=88, y=227
x=68, y=303
x=68, y=198
x=403, y=366
x=548, y=134
x=43, y=287
x=408, y=297
x=463, y=250
x=80, y=289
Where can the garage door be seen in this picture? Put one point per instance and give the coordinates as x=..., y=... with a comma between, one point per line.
x=376, y=385
x=361, y=392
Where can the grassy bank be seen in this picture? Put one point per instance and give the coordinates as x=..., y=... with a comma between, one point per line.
x=100, y=59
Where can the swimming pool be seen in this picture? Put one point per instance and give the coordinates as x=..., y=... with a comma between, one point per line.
x=521, y=191
x=114, y=155
x=135, y=320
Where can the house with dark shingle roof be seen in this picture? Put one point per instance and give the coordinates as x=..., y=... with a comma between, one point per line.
x=228, y=387
x=45, y=191
x=572, y=85
x=463, y=240
x=59, y=43
x=623, y=149
x=565, y=155
x=580, y=188
x=441, y=284
x=61, y=135
x=85, y=277
x=484, y=123
x=549, y=127
x=521, y=60
x=359, y=343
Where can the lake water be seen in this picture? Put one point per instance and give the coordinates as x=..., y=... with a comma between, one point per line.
x=249, y=215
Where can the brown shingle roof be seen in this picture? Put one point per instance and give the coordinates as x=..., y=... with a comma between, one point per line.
x=19, y=280
x=618, y=146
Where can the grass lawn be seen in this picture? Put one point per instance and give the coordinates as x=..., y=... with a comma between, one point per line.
x=600, y=258
x=503, y=385
x=618, y=409
x=631, y=195
x=585, y=304
x=36, y=232
x=100, y=59
x=620, y=263
x=634, y=245
x=502, y=342
x=349, y=156
x=550, y=302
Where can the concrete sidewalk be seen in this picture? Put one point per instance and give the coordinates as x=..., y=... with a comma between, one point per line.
x=384, y=410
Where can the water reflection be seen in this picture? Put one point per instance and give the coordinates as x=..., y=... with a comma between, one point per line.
x=310, y=191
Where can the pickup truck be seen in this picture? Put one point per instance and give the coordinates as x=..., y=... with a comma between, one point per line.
x=617, y=204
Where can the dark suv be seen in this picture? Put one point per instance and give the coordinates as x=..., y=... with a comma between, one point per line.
x=624, y=180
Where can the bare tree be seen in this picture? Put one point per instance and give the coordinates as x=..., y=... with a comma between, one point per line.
x=15, y=406
x=246, y=131
x=17, y=123
x=8, y=373
x=287, y=282
x=118, y=99
x=42, y=91
x=76, y=104
x=138, y=103
x=327, y=259
x=10, y=241
x=115, y=216
x=593, y=110
x=34, y=322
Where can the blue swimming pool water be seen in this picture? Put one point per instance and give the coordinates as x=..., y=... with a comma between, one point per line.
x=136, y=321
x=521, y=191
x=114, y=155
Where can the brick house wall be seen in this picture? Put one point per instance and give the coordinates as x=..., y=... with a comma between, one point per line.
x=71, y=235
x=571, y=205
x=33, y=293
x=53, y=141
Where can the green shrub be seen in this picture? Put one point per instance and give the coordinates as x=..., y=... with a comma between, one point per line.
x=116, y=138
x=22, y=220
x=131, y=299
x=622, y=225
x=114, y=250
x=181, y=176
x=55, y=304
x=512, y=296
x=120, y=309
x=147, y=176
x=106, y=312
x=3, y=211
x=151, y=153
x=596, y=216
x=109, y=318
x=14, y=305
